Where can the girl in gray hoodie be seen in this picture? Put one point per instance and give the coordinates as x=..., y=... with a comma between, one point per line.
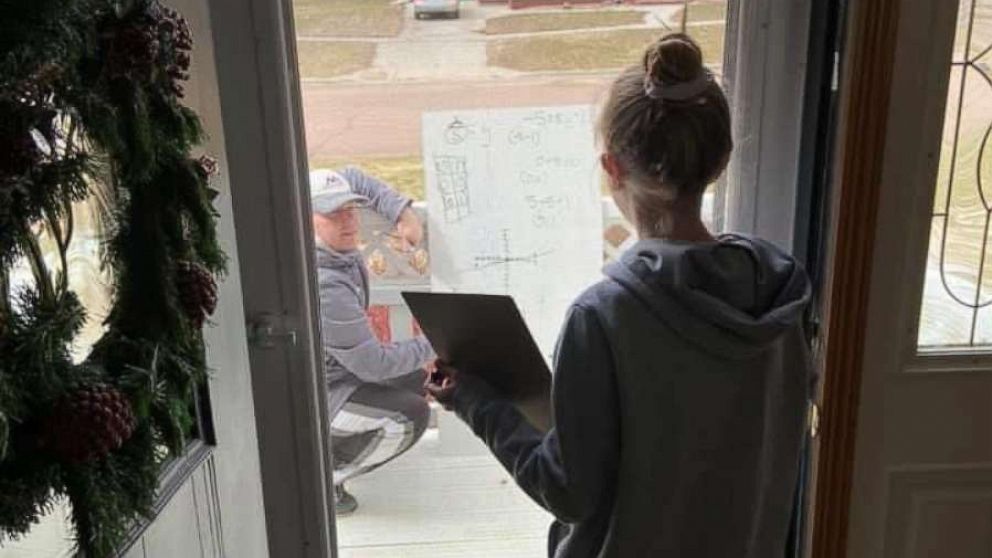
x=681, y=380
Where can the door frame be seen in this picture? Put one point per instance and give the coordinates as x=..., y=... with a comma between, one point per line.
x=765, y=77
x=865, y=89
x=255, y=46
x=254, y=42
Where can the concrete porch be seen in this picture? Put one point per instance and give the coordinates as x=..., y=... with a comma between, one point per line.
x=447, y=496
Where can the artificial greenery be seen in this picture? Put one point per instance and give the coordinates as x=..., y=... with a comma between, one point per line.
x=91, y=111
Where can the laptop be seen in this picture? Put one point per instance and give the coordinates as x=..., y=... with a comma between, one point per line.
x=485, y=335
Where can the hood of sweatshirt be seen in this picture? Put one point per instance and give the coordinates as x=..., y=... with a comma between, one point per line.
x=347, y=266
x=734, y=296
x=330, y=258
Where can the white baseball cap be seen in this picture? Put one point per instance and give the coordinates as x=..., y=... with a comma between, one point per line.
x=329, y=192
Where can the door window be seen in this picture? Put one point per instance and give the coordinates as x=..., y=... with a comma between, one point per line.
x=957, y=298
x=482, y=113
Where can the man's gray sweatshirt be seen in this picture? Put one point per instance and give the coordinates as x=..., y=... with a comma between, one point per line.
x=680, y=393
x=353, y=355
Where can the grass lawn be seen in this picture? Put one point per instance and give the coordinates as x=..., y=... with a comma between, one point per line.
x=702, y=11
x=348, y=18
x=405, y=174
x=601, y=50
x=331, y=59
x=530, y=23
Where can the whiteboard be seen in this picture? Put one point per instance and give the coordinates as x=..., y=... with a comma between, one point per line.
x=514, y=207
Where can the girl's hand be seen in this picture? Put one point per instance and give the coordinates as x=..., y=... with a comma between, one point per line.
x=448, y=381
x=442, y=384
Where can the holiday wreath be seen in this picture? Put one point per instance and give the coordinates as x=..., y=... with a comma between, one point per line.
x=90, y=110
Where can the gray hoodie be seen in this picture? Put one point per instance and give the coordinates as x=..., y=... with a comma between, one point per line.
x=680, y=393
x=353, y=355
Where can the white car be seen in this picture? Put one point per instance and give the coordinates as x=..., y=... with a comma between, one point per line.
x=447, y=8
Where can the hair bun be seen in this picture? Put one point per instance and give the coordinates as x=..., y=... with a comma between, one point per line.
x=673, y=59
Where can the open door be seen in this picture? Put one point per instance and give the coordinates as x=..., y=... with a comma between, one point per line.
x=433, y=64
x=905, y=467
x=218, y=510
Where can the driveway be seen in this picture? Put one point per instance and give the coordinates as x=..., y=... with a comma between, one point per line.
x=436, y=48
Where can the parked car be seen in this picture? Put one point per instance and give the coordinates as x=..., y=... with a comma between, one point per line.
x=422, y=8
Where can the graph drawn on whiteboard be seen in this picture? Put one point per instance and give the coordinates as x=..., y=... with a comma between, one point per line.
x=498, y=263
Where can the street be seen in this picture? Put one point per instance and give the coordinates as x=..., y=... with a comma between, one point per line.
x=383, y=119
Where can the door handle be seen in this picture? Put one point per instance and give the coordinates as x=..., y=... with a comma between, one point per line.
x=264, y=333
x=814, y=420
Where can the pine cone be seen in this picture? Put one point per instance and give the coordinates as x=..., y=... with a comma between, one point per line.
x=206, y=166
x=175, y=25
x=175, y=31
x=197, y=292
x=35, y=90
x=88, y=424
x=132, y=51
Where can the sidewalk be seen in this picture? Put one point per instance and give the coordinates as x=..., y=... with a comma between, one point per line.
x=452, y=50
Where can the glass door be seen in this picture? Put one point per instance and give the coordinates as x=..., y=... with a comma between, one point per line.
x=482, y=113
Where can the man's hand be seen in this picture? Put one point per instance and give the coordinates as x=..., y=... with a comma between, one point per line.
x=409, y=228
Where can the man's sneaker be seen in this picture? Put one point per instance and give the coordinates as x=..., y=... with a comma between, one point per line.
x=344, y=503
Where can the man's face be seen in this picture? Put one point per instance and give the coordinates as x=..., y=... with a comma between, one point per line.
x=339, y=229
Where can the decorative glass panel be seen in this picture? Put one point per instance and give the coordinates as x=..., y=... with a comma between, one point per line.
x=957, y=298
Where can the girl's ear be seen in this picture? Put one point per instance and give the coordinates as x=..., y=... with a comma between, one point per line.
x=613, y=169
